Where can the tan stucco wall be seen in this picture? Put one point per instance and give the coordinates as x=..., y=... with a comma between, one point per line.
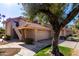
x=28, y=34
x=22, y=23
x=65, y=32
x=8, y=28
x=40, y=35
x=36, y=34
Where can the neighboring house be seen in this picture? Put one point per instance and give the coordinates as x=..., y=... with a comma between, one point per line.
x=21, y=28
x=65, y=32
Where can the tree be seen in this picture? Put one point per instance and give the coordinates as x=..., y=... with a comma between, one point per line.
x=2, y=30
x=77, y=24
x=2, y=16
x=55, y=15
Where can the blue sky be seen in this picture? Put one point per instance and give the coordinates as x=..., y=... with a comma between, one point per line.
x=10, y=10
x=14, y=10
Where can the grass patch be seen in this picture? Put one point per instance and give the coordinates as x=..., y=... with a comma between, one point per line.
x=64, y=50
x=43, y=51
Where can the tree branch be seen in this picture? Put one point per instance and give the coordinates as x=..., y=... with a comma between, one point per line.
x=70, y=16
x=53, y=19
x=50, y=14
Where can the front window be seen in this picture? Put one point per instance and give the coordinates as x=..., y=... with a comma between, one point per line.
x=17, y=23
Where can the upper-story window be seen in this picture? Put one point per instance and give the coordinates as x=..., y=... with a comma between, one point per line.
x=16, y=23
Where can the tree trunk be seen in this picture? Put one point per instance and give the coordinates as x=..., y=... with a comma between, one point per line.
x=55, y=49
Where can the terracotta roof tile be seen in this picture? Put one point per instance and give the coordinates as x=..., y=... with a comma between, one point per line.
x=34, y=26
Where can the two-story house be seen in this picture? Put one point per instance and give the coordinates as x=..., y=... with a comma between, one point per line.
x=21, y=28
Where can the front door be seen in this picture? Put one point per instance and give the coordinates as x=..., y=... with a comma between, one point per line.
x=15, y=36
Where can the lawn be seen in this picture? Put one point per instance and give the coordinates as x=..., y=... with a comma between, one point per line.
x=64, y=50
x=43, y=51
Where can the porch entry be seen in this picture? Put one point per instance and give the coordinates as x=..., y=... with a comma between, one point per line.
x=27, y=33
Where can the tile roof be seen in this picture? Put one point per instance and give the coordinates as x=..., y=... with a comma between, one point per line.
x=16, y=19
x=34, y=26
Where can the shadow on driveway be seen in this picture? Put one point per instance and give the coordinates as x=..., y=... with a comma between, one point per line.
x=37, y=45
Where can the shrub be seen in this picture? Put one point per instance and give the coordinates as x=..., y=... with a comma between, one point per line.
x=28, y=41
x=62, y=37
x=51, y=38
x=1, y=35
x=2, y=31
x=7, y=37
x=75, y=35
x=69, y=35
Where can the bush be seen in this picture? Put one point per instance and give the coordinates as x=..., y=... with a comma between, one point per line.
x=74, y=35
x=69, y=35
x=2, y=31
x=6, y=37
x=28, y=41
x=62, y=37
x=51, y=38
x=1, y=35
x=73, y=39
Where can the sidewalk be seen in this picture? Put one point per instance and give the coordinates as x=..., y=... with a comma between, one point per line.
x=27, y=50
x=30, y=50
x=70, y=44
x=73, y=45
